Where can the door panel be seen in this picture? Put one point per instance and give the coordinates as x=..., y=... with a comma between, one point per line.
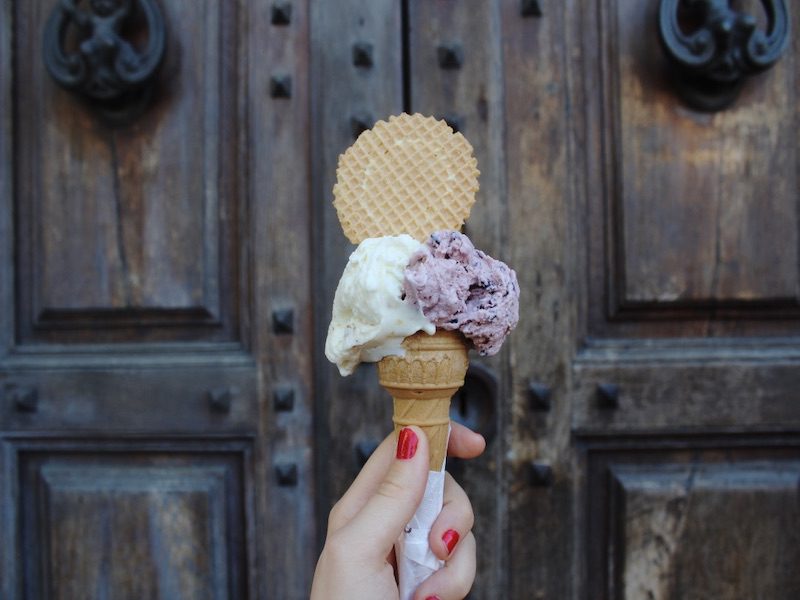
x=154, y=309
x=690, y=317
x=678, y=518
x=660, y=247
x=695, y=214
x=146, y=520
x=697, y=201
x=130, y=232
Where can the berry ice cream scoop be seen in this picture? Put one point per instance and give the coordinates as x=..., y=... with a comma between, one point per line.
x=459, y=287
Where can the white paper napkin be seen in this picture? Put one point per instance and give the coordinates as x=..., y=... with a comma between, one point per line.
x=415, y=560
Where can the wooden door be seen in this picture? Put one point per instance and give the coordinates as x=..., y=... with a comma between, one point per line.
x=662, y=273
x=155, y=426
x=644, y=416
x=169, y=427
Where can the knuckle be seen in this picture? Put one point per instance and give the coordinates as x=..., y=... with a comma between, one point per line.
x=469, y=515
x=338, y=517
x=392, y=487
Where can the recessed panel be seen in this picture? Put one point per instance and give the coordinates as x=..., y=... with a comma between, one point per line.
x=721, y=531
x=128, y=226
x=700, y=209
x=132, y=525
x=694, y=523
x=708, y=203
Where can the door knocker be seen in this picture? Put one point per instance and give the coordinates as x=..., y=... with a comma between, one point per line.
x=713, y=56
x=102, y=66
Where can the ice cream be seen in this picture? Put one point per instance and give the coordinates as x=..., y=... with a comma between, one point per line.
x=394, y=286
x=414, y=175
x=458, y=287
x=370, y=318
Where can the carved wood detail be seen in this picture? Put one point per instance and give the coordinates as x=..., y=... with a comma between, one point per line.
x=690, y=205
x=130, y=231
x=694, y=518
x=139, y=518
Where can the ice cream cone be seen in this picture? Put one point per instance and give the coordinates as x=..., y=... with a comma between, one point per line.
x=422, y=383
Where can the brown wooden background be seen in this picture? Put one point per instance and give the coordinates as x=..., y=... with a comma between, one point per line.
x=169, y=427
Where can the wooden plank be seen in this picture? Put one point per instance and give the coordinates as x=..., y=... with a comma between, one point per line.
x=212, y=400
x=542, y=189
x=278, y=278
x=354, y=409
x=676, y=394
x=468, y=92
x=9, y=581
x=672, y=519
x=6, y=181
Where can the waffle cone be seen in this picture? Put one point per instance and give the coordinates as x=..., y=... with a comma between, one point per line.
x=422, y=383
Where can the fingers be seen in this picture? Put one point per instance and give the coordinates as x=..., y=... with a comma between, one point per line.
x=454, y=580
x=454, y=521
x=365, y=484
x=374, y=529
x=464, y=443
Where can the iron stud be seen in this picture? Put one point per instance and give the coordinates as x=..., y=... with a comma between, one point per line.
x=280, y=86
x=451, y=56
x=362, y=55
x=281, y=13
x=539, y=396
x=283, y=320
x=608, y=395
x=286, y=474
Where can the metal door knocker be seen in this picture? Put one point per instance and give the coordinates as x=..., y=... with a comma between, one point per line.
x=106, y=69
x=712, y=48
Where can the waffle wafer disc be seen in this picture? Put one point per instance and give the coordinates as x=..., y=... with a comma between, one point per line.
x=410, y=175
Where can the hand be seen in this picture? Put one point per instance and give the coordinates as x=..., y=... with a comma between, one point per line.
x=358, y=558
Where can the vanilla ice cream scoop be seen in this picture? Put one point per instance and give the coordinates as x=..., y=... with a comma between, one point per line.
x=370, y=318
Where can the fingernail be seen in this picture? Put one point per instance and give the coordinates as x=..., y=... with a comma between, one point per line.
x=407, y=443
x=433, y=598
x=450, y=539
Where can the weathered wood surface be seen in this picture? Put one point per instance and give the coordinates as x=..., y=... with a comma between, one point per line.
x=698, y=199
x=541, y=185
x=140, y=270
x=137, y=318
x=691, y=213
x=689, y=306
x=278, y=176
x=694, y=518
x=157, y=523
x=135, y=225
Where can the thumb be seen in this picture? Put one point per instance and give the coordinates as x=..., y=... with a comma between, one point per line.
x=379, y=523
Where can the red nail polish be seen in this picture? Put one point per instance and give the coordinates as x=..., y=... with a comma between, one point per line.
x=450, y=539
x=407, y=443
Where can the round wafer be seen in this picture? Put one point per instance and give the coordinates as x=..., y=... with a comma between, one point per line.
x=411, y=175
